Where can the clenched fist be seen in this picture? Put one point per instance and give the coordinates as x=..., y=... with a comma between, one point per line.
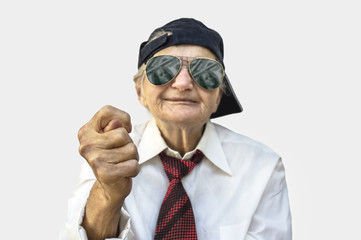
x=106, y=145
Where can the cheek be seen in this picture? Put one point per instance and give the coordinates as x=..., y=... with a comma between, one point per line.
x=215, y=106
x=144, y=102
x=218, y=100
x=145, y=96
x=213, y=101
x=145, y=99
x=150, y=96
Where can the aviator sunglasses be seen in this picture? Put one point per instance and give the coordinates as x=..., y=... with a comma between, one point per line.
x=207, y=73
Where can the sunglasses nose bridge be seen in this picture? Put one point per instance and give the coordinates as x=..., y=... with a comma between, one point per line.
x=183, y=80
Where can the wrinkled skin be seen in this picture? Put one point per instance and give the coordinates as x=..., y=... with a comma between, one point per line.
x=113, y=157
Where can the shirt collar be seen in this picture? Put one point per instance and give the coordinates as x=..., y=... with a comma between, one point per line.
x=211, y=146
x=152, y=143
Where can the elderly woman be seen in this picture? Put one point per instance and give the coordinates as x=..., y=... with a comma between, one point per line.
x=178, y=176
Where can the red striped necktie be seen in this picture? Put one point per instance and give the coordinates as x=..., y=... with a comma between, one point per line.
x=176, y=219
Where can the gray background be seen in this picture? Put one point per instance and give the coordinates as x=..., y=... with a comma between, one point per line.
x=295, y=66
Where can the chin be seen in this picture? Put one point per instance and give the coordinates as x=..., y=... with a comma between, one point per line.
x=187, y=118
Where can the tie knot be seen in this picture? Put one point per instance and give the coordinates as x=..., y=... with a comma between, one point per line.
x=178, y=168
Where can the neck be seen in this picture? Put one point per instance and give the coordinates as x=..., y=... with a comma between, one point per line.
x=182, y=138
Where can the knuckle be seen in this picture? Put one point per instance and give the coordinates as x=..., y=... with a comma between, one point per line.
x=81, y=132
x=133, y=168
x=120, y=136
x=112, y=140
x=84, y=149
x=122, y=132
x=133, y=150
x=95, y=162
x=126, y=116
x=106, y=110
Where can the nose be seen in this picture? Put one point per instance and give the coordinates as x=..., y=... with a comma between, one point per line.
x=183, y=81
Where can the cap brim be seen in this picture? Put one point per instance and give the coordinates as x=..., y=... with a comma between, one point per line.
x=229, y=103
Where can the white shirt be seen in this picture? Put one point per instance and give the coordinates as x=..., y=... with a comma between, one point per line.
x=238, y=191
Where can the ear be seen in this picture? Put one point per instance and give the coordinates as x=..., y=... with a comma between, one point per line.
x=141, y=98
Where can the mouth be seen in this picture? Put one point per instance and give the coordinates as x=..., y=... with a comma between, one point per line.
x=181, y=100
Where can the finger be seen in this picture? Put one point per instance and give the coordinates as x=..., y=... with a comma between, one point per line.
x=113, y=156
x=113, y=124
x=113, y=139
x=128, y=168
x=108, y=113
x=110, y=174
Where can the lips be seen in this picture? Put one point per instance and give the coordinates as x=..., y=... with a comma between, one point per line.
x=181, y=100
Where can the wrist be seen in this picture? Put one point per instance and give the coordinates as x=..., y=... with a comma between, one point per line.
x=102, y=214
x=106, y=198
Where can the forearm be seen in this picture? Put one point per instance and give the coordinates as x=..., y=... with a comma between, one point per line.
x=102, y=214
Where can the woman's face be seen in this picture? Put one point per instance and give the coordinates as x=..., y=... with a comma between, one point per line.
x=180, y=101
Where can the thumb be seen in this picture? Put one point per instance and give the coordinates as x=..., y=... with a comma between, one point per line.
x=113, y=124
x=109, y=118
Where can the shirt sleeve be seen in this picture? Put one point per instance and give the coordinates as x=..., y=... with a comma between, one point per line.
x=272, y=219
x=76, y=208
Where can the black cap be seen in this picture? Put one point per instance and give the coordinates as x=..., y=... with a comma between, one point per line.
x=191, y=31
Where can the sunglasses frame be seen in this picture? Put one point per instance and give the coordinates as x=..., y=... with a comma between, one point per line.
x=188, y=68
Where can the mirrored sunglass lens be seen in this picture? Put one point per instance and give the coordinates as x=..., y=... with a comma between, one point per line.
x=162, y=69
x=207, y=73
